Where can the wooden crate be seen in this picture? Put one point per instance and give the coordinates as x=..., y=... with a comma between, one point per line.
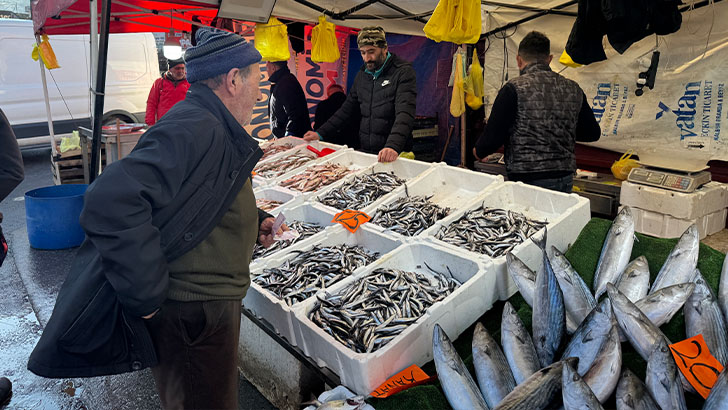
x=67, y=167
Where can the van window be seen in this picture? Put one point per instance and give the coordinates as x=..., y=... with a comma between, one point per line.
x=130, y=58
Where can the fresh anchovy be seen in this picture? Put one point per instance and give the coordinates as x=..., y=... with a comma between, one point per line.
x=272, y=169
x=361, y=191
x=640, y=331
x=616, y=251
x=548, y=313
x=301, y=276
x=635, y=280
x=459, y=387
x=539, y=390
x=271, y=149
x=723, y=288
x=523, y=276
x=662, y=378
x=576, y=393
x=316, y=177
x=590, y=336
x=409, y=215
x=703, y=316
x=267, y=204
x=718, y=398
x=603, y=375
x=304, y=229
x=494, y=376
x=490, y=231
x=662, y=305
x=517, y=346
x=632, y=394
x=679, y=267
x=578, y=300
x=370, y=312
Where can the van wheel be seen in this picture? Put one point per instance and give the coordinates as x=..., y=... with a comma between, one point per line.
x=111, y=120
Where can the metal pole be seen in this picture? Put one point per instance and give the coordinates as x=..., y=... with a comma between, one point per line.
x=93, y=50
x=47, y=102
x=99, y=89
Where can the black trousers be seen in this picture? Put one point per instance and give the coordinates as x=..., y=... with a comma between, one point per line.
x=197, y=347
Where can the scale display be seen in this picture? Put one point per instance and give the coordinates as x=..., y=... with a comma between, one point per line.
x=674, y=181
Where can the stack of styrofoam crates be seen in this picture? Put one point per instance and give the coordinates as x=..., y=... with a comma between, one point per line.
x=667, y=214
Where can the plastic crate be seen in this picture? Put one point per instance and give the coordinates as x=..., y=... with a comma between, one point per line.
x=666, y=226
x=710, y=198
x=353, y=160
x=287, y=197
x=266, y=181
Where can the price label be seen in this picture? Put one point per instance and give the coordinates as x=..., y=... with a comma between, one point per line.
x=696, y=363
x=409, y=377
x=351, y=219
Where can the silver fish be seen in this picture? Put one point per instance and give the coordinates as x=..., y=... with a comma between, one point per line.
x=352, y=403
x=703, y=316
x=576, y=393
x=679, y=267
x=632, y=394
x=662, y=305
x=491, y=368
x=662, y=378
x=635, y=280
x=718, y=398
x=523, y=276
x=548, y=313
x=616, y=251
x=539, y=390
x=723, y=288
x=517, y=345
x=603, y=375
x=589, y=337
x=460, y=389
x=578, y=300
x=640, y=331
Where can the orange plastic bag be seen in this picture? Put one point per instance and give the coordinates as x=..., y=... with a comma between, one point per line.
x=622, y=167
x=271, y=40
x=456, y=21
x=324, y=47
x=45, y=52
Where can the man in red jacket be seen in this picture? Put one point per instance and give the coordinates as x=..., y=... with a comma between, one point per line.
x=167, y=91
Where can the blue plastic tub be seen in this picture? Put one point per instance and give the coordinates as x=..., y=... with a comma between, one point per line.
x=51, y=215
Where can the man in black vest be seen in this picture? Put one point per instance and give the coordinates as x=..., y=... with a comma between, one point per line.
x=538, y=117
x=287, y=106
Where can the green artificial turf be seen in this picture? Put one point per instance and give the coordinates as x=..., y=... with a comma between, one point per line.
x=583, y=255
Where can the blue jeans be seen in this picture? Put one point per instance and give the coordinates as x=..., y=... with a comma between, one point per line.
x=562, y=184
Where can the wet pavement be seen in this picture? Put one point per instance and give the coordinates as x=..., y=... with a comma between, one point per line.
x=30, y=280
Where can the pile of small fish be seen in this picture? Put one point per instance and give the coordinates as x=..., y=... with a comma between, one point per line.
x=372, y=311
x=361, y=191
x=490, y=231
x=270, y=150
x=267, y=204
x=534, y=372
x=309, y=271
x=316, y=177
x=409, y=215
x=304, y=229
x=272, y=169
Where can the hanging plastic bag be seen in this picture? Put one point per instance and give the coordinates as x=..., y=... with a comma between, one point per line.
x=566, y=60
x=45, y=51
x=271, y=40
x=324, y=46
x=457, y=21
x=457, y=102
x=622, y=167
x=474, y=84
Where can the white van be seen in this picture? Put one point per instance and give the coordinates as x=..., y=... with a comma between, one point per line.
x=131, y=71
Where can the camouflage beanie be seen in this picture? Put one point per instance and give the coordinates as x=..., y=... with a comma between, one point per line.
x=372, y=36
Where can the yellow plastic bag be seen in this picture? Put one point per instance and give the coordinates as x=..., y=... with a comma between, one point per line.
x=474, y=84
x=407, y=154
x=45, y=51
x=271, y=40
x=457, y=103
x=324, y=47
x=621, y=168
x=457, y=21
x=71, y=143
x=566, y=60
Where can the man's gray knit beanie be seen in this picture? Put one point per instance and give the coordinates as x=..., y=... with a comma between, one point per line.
x=218, y=52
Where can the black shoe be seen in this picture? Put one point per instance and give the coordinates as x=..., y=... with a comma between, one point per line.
x=6, y=391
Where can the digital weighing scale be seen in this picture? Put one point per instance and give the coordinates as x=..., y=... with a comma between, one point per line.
x=686, y=181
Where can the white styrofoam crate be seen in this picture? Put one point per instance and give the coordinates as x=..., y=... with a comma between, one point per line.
x=266, y=305
x=708, y=199
x=287, y=197
x=448, y=187
x=300, y=148
x=666, y=226
x=566, y=214
x=363, y=372
x=293, y=141
x=353, y=160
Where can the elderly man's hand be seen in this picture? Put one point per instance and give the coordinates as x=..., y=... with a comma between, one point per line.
x=387, y=155
x=311, y=136
x=265, y=236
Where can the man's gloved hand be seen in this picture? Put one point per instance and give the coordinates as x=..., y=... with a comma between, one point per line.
x=387, y=155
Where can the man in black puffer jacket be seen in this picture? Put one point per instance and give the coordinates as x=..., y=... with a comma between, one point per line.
x=538, y=116
x=287, y=106
x=385, y=93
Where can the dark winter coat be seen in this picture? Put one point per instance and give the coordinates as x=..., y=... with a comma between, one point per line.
x=386, y=104
x=143, y=211
x=287, y=106
x=11, y=162
x=349, y=135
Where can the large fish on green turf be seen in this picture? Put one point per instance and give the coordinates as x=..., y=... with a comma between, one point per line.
x=517, y=345
x=718, y=398
x=460, y=389
x=704, y=316
x=576, y=393
x=589, y=337
x=662, y=379
x=723, y=289
x=538, y=391
x=491, y=368
x=523, y=277
x=679, y=267
x=632, y=394
x=634, y=282
x=603, y=374
x=548, y=320
x=663, y=304
x=616, y=251
x=639, y=330
x=578, y=300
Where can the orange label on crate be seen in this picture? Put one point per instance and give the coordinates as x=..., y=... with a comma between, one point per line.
x=351, y=219
x=696, y=363
x=409, y=377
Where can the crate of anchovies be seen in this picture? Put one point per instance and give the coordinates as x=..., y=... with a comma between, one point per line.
x=325, y=172
x=272, y=199
x=276, y=146
x=430, y=198
x=273, y=167
x=505, y=219
x=380, y=321
x=281, y=283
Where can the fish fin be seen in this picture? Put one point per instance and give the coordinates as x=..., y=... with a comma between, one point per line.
x=541, y=242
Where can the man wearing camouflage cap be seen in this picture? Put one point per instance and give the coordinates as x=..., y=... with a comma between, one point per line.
x=384, y=93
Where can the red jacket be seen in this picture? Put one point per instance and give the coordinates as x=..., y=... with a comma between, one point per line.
x=164, y=94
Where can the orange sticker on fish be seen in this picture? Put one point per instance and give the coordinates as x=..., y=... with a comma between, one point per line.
x=351, y=219
x=409, y=377
x=696, y=363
